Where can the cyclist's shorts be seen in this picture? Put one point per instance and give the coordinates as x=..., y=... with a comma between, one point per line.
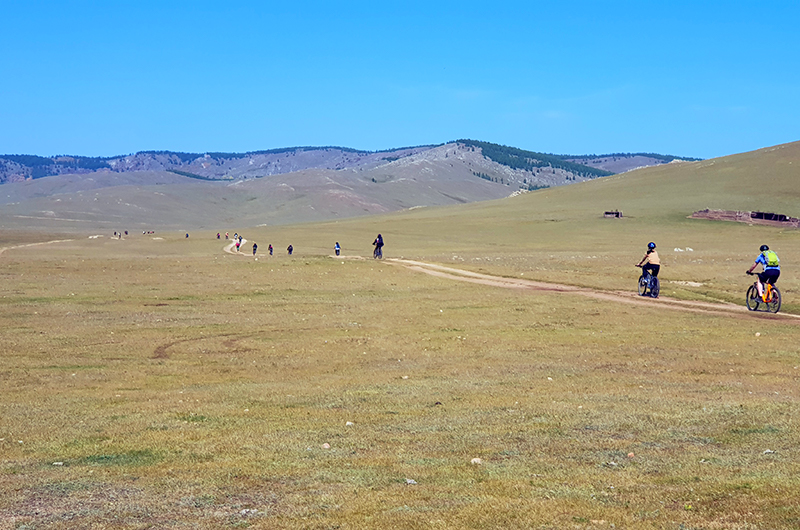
x=769, y=276
x=652, y=268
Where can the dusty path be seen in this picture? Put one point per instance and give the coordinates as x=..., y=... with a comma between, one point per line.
x=451, y=273
x=230, y=248
x=35, y=244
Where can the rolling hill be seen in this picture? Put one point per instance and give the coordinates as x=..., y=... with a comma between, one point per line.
x=258, y=164
x=183, y=190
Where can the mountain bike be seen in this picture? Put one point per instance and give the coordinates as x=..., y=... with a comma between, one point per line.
x=377, y=253
x=771, y=301
x=648, y=284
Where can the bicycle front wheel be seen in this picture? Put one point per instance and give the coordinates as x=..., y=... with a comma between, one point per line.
x=774, y=302
x=642, y=286
x=752, y=298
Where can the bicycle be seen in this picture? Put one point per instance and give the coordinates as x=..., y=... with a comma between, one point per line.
x=771, y=299
x=648, y=282
x=377, y=253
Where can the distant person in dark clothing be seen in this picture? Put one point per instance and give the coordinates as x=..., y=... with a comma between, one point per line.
x=337, y=248
x=290, y=249
x=378, y=247
x=255, y=247
x=270, y=249
x=218, y=235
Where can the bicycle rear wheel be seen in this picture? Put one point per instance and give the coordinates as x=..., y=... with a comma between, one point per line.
x=642, y=286
x=655, y=287
x=774, y=302
x=752, y=298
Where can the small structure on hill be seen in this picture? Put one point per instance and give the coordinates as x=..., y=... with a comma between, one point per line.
x=758, y=218
x=613, y=214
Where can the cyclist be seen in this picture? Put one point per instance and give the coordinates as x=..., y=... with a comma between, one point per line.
x=337, y=248
x=650, y=263
x=378, y=246
x=772, y=269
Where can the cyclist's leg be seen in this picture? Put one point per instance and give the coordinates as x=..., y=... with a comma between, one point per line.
x=763, y=277
x=650, y=271
x=770, y=277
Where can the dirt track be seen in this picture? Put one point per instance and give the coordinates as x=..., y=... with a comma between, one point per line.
x=628, y=297
x=229, y=248
x=617, y=296
x=35, y=244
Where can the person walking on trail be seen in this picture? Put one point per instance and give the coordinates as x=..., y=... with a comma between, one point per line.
x=290, y=249
x=270, y=249
x=378, y=243
x=226, y=235
x=772, y=269
x=218, y=235
x=237, y=245
x=337, y=248
x=255, y=247
x=650, y=263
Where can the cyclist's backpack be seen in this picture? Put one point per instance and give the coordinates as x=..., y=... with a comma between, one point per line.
x=771, y=258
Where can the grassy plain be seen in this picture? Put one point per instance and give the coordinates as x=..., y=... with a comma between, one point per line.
x=176, y=385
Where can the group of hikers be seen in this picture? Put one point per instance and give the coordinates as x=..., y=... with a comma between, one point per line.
x=337, y=248
x=768, y=259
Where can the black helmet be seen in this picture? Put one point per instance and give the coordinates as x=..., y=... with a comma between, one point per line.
x=651, y=245
x=763, y=248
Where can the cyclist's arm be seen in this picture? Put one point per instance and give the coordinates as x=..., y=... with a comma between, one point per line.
x=759, y=259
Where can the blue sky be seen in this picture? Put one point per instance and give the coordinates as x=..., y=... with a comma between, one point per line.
x=105, y=78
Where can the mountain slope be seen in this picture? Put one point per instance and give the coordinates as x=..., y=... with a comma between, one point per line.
x=454, y=173
x=255, y=188
x=231, y=166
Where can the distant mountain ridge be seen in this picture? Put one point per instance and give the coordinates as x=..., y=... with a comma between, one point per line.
x=282, y=186
x=256, y=164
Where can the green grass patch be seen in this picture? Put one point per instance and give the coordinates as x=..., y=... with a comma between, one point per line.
x=136, y=458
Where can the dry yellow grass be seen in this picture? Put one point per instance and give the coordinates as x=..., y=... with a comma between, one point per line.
x=179, y=386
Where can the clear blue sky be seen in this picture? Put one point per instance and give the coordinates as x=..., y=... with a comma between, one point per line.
x=102, y=78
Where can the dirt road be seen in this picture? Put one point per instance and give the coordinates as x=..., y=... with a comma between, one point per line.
x=631, y=297
x=35, y=244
